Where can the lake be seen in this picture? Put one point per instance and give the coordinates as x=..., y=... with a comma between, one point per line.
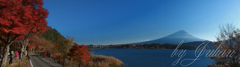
x=152, y=57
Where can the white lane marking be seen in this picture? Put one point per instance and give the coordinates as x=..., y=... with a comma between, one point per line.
x=31, y=63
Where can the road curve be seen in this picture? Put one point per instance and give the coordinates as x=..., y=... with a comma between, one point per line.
x=38, y=62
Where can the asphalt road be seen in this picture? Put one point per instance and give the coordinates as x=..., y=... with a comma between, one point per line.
x=38, y=62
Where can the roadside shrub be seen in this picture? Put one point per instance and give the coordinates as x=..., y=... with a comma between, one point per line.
x=104, y=61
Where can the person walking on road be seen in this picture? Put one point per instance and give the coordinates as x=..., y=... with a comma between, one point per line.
x=11, y=57
x=28, y=57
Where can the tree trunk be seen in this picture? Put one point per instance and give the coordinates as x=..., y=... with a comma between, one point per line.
x=80, y=63
x=24, y=42
x=24, y=46
x=5, y=55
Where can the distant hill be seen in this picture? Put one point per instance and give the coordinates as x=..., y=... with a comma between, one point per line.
x=174, y=38
x=52, y=35
x=210, y=45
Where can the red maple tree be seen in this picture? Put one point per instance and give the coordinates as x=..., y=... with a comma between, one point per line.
x=19, y=18
x=35, y=42
x=80, y=53
x=31, y=46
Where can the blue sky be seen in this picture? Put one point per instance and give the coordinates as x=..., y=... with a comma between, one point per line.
x=127, y=21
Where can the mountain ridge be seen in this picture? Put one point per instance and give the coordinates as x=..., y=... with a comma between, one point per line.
x=174, y=38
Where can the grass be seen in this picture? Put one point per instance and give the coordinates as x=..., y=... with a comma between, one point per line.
x=97, y=61
x=104, y=61
x=15, y=63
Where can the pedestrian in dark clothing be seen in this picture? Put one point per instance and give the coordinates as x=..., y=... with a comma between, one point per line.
x=28, y=57
x=20, y=54
x=10, y=62
x=11, y=57
x=47, y=54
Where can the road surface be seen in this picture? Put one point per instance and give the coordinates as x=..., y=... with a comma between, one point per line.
x=38, y=62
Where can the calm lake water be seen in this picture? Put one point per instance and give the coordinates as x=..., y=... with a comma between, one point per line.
x=152, y=57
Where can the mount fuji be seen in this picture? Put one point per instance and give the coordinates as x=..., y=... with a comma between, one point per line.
x=174, y=38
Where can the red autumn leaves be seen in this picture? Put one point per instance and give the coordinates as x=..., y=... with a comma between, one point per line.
x=35, y=42
x=18, y=17
x=76, y=52
x=79, y=53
